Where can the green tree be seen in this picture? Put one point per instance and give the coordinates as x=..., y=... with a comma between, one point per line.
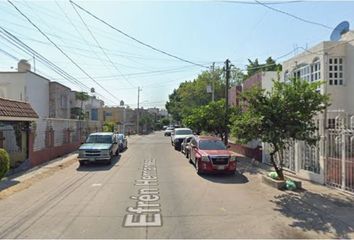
x=254, y=67
x=280, y=116
x=108, y=126
x=210, y=118
x=192, y=94
x=165, y=121
x=4, y=162
x=82, y=96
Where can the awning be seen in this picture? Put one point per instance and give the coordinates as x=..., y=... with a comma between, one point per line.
x=11, y=110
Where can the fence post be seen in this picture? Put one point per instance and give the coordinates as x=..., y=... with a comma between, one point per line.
x=343, y=159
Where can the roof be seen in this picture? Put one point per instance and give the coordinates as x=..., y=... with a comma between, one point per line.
x=16, y=111
x=183, y=129
x=102, y=133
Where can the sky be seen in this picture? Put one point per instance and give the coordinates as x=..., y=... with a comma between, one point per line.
x=202, y=32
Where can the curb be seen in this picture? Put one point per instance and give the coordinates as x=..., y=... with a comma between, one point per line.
x=23, y=181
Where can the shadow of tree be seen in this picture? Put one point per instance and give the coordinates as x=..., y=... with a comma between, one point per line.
x=322, y=213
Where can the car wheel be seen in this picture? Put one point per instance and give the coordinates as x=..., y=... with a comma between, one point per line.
x=190, y=158
x=117, y=152
x=177, y=148
x=82, y=163
x=186, y=153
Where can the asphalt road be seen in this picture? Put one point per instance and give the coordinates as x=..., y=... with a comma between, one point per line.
x=150, y=191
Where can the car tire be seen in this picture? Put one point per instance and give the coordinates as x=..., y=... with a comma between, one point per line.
x=176, y=147
x=82, y=163
x=187, y=155
x=190, y=158
x=117, y=152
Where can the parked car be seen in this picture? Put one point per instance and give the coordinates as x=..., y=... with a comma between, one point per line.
x=178, y=135
x=99, y=147
x=210, y=155
x=185, y=146
x=122, y=142
x=168, y=131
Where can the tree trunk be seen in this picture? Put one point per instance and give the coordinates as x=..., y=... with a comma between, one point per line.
x=278, y=170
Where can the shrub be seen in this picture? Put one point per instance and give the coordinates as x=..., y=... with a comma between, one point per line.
x=4, y=162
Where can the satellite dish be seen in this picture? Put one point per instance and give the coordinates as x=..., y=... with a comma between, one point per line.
x=341, y=28
x=121, y=103
x=92, y=90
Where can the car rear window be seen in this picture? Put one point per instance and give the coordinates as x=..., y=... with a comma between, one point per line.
x=212, y=145
x=183, y=132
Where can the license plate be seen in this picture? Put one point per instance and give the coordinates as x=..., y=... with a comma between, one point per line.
x=220, y=167
x=91, y=159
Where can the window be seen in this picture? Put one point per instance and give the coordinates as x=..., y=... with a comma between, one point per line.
x=316, y=70
x=212, y=145
x=304, y=72
x=63, y=101
x=331, y=123
x=335, y=71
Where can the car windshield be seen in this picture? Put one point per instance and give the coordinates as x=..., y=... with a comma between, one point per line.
x=169, y=128
x=212, y=145
x=120, y=136
x=99, y=139
x=183, y=132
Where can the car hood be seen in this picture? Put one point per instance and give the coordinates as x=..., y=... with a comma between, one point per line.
x=215, y=152
x=182, y=136
x=95, y=146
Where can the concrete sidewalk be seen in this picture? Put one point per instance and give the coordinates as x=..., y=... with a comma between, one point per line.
x=23, y=180
x=315, y=207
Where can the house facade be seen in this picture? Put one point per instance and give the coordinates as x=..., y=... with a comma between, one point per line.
x=331, y=160
x=53, y=133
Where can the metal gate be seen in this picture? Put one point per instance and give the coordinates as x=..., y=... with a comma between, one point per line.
x=340, y=155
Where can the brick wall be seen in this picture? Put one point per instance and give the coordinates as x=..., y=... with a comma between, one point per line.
x=255, y=153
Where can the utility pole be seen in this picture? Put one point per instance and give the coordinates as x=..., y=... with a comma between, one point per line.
x=138, y=111
x=227, y=69
x=213, y=82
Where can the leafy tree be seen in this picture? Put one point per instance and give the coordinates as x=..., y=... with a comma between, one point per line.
x=192, y=94
x=210, y=118
x=280, y=116
x=165, y=121
x=254, y=67
x=4, y=162
x=82, y=96
x=108, y=126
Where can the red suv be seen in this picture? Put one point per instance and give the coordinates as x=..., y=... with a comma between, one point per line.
x=209, y=154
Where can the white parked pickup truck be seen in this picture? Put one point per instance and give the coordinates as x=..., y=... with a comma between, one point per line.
x=99, y=147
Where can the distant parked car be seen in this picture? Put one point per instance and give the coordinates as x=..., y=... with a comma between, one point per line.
x=178, y=135
x=209, y=154
x=99, y=147
x=185, y=146
x=122, y=142
x=168, y=131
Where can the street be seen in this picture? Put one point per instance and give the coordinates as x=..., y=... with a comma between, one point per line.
x=96, y=201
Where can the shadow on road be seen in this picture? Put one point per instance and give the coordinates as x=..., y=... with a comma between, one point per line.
x=237, y=178
x=318, y=212
x=98, y=166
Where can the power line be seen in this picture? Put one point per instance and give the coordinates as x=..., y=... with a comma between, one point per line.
x=25, y=48
x=9, y=54
x=99, y=45
x=268, y=3
x=65, y=54
x=293, y=16
x=136, y=40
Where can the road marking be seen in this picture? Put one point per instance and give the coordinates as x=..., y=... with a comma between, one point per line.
x=96, y=185
x=147, y=210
